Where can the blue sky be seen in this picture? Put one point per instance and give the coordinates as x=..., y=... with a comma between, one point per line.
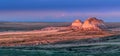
x=59, y=10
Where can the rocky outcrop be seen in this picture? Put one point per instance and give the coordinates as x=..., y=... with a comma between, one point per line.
x=91, y=24
x=77, y=24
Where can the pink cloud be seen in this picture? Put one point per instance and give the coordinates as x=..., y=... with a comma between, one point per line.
x=56, y=13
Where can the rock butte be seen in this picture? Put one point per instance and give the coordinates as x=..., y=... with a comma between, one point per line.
x=91, y=24
x=77, y=24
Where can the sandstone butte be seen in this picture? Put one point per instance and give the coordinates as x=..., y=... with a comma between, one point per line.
x=91, y=24
x=77, y=24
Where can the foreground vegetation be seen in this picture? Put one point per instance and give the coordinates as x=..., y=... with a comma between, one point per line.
x=99, y=50
x=112, y=48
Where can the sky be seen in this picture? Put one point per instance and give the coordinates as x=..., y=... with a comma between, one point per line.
x=58, y=10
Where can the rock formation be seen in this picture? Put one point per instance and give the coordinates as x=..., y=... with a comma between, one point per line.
x=91, y=24
x=77, y=24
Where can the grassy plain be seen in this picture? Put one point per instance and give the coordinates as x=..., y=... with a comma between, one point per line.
x=66, y=43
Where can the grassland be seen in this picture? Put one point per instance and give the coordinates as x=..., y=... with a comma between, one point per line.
x=26, y=26
x=56, y=43
x=89, y=50
x=80, y=47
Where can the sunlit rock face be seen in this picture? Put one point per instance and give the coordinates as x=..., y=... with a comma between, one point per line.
x=91, y=24
x=77, y=24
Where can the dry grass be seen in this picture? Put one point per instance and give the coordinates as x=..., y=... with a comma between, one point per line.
x=27, y=38
x=32, y=38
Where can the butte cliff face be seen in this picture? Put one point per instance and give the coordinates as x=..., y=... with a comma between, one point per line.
x=77, y=24
x=91, y=24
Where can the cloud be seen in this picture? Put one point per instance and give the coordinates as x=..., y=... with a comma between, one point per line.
x=57, y=14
